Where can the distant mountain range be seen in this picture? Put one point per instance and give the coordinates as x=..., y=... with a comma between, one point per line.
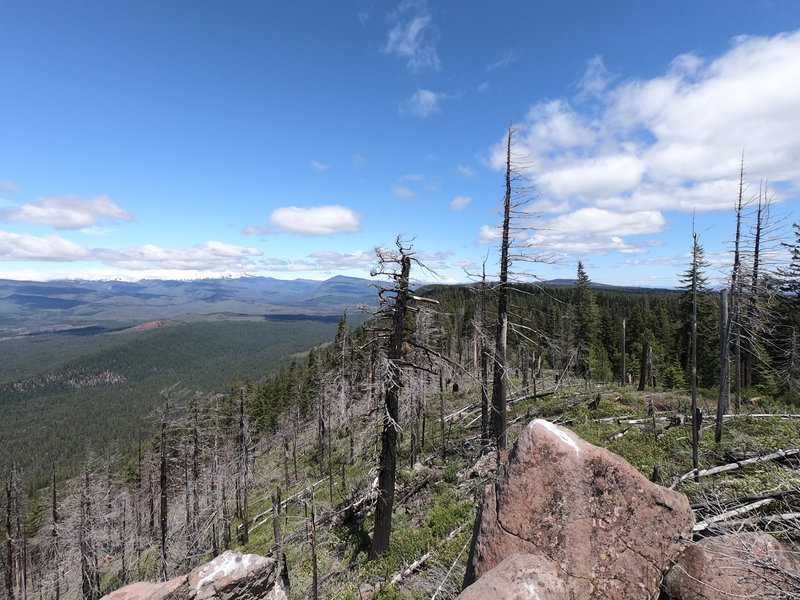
x=31, y=307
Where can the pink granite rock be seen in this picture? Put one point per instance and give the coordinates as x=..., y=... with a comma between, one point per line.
x=611, y=532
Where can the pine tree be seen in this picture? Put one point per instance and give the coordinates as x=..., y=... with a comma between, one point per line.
x=707, y=334
x=587, y=320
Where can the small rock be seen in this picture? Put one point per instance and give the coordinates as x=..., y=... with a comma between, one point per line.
x=230, y=576
x=366, y=591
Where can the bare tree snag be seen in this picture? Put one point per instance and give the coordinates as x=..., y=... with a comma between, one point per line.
x=645, y=368
x=499, y=421
x=163, y=492
x=9, y=570
x=623, y=369
x=723, y=402
x=55, y=541
x=387, y=469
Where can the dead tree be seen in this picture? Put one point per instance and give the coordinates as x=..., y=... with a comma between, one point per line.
x=499, y=420
x=482, y=354
x=10, y=556
x=734, y=323
x=396, y=265
x=723, y=402
x=646, y=366
x=242, y=480
x=90, y=573
x=56, y=546
x=623, y=368
x=515, y=226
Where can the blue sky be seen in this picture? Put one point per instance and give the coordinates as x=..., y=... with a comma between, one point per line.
x=289, y=139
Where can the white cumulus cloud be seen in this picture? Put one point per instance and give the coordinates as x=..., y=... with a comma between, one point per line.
x=316, y=220
x=324, y=260
x=676, y=135
x=625, y=153
x=21, y=246
x=208, y=256
x=67, y=212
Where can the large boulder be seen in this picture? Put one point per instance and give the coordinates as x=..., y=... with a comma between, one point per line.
x=610, y=532
x=739, y=565
x=230, y=576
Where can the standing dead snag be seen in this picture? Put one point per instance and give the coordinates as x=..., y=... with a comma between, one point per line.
x=514, y=234
x=396, y=308
x=499, y=378
x=395, y=300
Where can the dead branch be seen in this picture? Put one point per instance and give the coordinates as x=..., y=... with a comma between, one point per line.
x=414, y=566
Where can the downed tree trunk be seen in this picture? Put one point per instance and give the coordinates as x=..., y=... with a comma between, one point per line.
x=728, y=515
x=742, y=500
x=765, y=520
x=778, y=454
x=619, y=434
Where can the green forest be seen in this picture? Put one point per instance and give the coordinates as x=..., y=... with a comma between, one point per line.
x=65, y=397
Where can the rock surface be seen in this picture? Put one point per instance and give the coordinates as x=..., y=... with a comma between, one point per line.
x=610, y=532
x=741, y=565
x=520, y=577
x=230, y=576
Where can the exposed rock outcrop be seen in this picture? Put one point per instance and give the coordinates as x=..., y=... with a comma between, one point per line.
x=230, y=576
x=741, y=565
x=608, y=531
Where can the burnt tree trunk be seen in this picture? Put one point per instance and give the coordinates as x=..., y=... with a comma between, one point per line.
x=644, y=369
x=387, y=468
x=499, y=376
x=724, y=399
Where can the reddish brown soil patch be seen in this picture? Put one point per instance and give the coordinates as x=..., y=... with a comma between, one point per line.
x=149, y=326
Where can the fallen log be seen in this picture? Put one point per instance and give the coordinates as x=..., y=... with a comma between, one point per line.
x=699, y=506
x=766, y=520
x=728, y=515
x=778, y=454
x=414, y=566
x=619, y=434
x=267, y=514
